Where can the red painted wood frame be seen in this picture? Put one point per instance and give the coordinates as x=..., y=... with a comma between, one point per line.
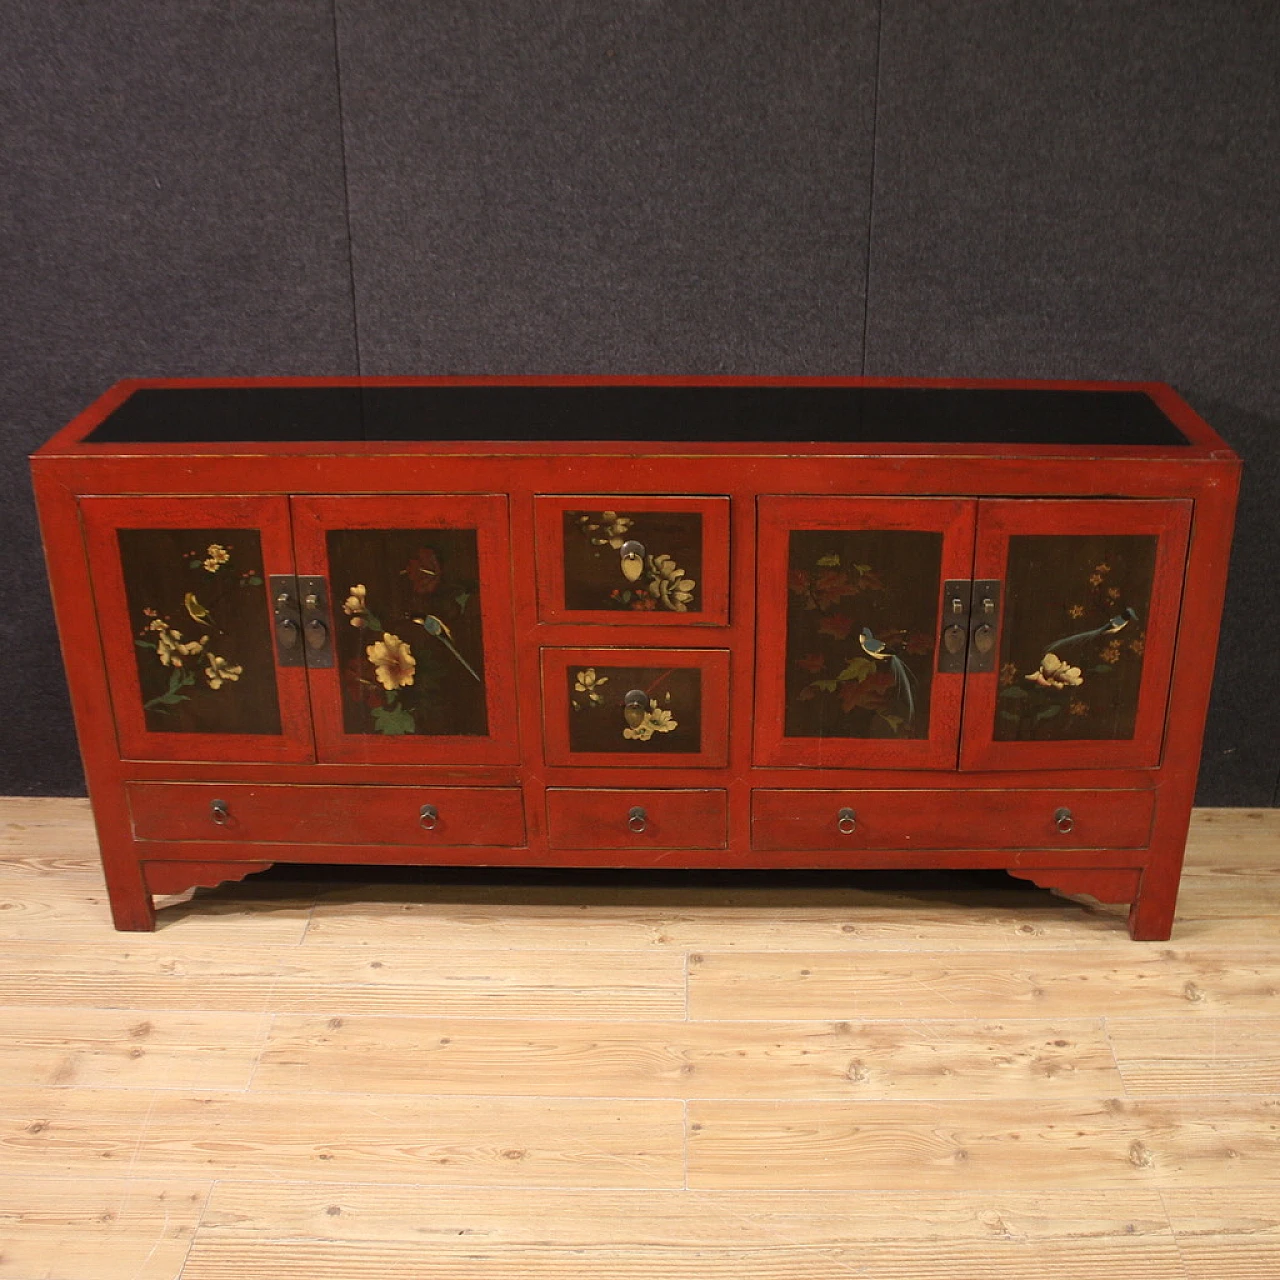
x=953, y=518
x=714, y=737
x=713, y=581
x=1001, y=519
x=269, y=517
x=313, y=518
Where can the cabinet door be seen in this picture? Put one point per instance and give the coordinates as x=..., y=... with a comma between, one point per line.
x=1088, y=597
x=634, y=561
x=850, y=602
x=418, y=663
x=180, y=589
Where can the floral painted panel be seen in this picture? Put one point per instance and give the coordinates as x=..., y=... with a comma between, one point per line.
x=202, y=630
x=662, y=574
x=667, y=720
x=1075, y=611
x=862, y=622
x=409, y=643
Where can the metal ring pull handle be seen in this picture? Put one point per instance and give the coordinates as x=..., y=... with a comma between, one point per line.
x=428, y=817
x=220, y=813
x=637, y=819
x=1064, y=820
x=847, y=822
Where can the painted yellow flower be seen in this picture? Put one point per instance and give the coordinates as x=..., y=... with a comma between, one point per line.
x=589, y=683
x=217, y=555
x=393, y=662
x=1102, y=568
x=668, y=585
x=1076, y=611
x=1079, y=708
x=1055, y=674
x=219, y=671
x=1095, y=579
x=1111, y=653
x=354, y=606
x=1113, y=593
x=656, y=720
x=171, y=649
x=1008, y=673
x=611, y=532
x=1137, y=645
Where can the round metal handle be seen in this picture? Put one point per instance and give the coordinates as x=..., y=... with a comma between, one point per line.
x=1065, y=822
x=220, y=813
x=637, y=819
x=428, y=817
x=846, y=822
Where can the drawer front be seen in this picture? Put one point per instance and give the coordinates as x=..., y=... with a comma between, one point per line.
x=327, y=815
x=597, y=818
x=634, y=561
x=652, y=708
x=833, y=820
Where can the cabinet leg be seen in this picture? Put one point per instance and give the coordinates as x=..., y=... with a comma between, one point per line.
x=1151, y=912
x=132, y=909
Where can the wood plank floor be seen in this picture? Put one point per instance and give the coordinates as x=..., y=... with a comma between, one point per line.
x=797, y=1077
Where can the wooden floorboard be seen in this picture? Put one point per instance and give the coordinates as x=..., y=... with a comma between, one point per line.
x=882, y=1077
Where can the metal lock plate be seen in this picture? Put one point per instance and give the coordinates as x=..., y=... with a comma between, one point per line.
x=317, y=626
x=984, y=625
x=286, y=620
x=953, y=641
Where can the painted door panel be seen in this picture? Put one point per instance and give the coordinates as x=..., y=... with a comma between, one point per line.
x=419, y=613
x=1090, y=593
x=185, y=620
x=850, y=614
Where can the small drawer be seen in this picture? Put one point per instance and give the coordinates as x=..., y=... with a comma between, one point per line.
x=834, y=820
x=327, y=815
x=633, y=561
x=596, y=818
x=657, y=708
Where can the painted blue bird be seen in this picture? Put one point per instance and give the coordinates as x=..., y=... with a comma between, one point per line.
x=435, y=627
x=878, y=650
x=1118, y=623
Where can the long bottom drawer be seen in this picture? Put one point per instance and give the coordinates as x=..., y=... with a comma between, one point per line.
x=1066, y=819
x=284, y=814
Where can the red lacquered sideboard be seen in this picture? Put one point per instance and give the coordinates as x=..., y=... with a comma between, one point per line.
x=645, y=622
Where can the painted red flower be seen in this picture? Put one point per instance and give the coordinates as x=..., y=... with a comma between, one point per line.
x=836, y=624
x=812, y=662
x=423, y=571
x=831, y=586
x=357, y=685
x=799, y=581
x=870, y=693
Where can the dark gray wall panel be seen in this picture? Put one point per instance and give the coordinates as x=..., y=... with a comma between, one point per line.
x=673, y=186
x=1090, y=190
x=173, y=204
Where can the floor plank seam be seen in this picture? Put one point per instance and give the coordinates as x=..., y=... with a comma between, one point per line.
x=1173, y=1235
x=1115, y=1057
x=195, y=1230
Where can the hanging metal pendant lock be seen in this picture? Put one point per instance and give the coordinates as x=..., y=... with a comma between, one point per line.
x=635, y=706
x=632, y=554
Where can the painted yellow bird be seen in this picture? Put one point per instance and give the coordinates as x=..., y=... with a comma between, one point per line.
x=197, y=611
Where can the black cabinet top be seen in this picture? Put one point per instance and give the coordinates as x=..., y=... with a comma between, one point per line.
x=766, y=414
